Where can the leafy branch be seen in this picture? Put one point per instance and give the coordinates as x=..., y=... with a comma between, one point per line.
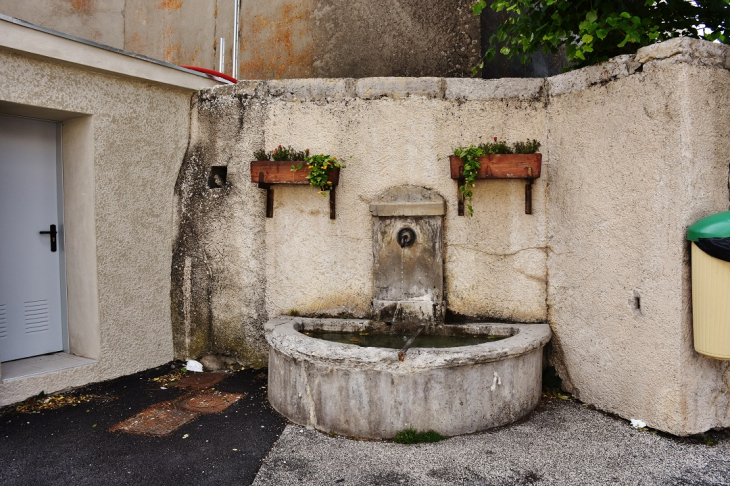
x=470, y=158
x=592, y=31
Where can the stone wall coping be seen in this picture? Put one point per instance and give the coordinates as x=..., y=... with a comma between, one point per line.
x=408, y=201
x=682, y=50
x=403, y=208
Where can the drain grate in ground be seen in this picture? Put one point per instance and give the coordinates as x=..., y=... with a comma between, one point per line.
x=199, y=381
x=210, y=402
x=159, y=420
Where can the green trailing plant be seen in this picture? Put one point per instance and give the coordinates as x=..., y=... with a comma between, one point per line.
x=470, y=159
x=319, y=167
x=282, y=153
x=592, y=31
x=410, y=436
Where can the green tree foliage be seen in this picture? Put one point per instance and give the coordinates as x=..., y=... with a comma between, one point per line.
x=593, y=31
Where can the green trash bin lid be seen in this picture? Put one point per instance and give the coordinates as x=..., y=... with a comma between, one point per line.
x=715, y=226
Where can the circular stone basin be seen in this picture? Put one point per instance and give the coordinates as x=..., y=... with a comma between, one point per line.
x=367, y=392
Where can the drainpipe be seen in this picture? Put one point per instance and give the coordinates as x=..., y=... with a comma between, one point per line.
x=236, y=14
x=221, y=54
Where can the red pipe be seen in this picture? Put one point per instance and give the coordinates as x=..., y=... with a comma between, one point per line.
x=212, y=73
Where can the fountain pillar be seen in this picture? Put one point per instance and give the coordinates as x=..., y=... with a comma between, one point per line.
x=408, y=271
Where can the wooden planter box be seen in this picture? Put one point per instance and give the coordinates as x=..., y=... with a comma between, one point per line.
x=501, y=166
x=269, y=172
x=279, y=172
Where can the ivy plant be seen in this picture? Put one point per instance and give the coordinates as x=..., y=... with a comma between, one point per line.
x=470, y=158
x=592, y=31
x=319, y=167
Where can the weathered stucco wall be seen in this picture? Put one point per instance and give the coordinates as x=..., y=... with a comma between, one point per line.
x=134, y=133
x=278, y=38
x=635, y=159
x=391, y=132
x=633, y=154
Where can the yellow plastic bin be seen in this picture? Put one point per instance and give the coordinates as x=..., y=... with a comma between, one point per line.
x=710, y=239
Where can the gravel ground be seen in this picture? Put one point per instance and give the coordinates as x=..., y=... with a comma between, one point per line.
x=563, y=442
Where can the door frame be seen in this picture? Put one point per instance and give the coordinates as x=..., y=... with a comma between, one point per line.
x=77, y=238
x=61, y=234
x=57, y=165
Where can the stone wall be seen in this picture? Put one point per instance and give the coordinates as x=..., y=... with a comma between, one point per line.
x=633, y=152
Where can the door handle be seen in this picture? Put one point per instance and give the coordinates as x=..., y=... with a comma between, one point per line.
x=53, y=234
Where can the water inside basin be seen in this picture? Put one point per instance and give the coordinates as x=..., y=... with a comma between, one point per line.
x=396, y=341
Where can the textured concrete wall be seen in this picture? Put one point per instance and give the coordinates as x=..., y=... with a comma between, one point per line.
x=138, y=133
x=635, y=159
x=633, y=152
x=278, y=38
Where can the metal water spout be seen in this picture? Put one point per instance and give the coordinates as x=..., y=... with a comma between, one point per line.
x=406, y=237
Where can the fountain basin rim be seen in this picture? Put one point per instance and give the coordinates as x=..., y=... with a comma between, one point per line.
x=282, y=334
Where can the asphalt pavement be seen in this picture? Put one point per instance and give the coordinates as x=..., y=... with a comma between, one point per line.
x=72, y=445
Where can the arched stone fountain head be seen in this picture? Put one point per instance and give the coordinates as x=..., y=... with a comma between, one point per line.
x=408, y=257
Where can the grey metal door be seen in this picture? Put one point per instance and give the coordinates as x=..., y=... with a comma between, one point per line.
x=30, y=269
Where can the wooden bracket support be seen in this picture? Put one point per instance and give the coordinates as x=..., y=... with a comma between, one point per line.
x=528, y=192
x=270, y=198
x=333, y=204
x=462, y=181
x=269, y=195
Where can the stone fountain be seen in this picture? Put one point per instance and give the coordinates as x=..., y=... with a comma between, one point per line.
x=374, y=392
